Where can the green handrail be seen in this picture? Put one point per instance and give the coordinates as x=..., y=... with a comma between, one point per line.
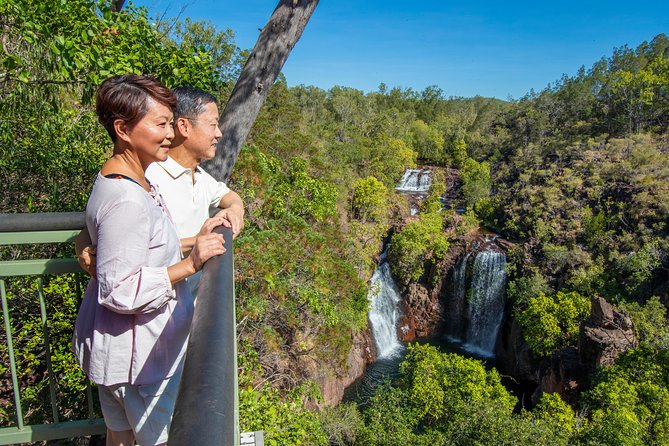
x=23, y=229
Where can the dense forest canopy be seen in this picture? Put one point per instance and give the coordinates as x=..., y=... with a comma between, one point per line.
x=577, y=175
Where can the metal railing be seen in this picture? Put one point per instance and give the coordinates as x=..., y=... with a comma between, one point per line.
x=23, y=229
x=206, y=411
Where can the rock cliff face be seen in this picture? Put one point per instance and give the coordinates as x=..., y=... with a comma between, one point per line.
x=422, y=304
x=563, y=374
x=333, y=384
x=514, y=356
x=605, y=335
x=421, y=313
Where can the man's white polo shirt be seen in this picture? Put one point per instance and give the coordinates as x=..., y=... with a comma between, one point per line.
x=188, y=201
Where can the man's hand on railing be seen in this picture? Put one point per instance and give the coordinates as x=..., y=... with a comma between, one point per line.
x=87, y=259
x=85, y=252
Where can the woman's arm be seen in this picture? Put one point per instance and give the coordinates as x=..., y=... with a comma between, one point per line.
x=126, y=283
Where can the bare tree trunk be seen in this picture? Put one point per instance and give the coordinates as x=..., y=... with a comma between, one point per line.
x=263, y=66
x=117, y=5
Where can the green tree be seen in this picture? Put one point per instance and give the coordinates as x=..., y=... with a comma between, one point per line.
x=389, y=420
x=370, y=201
x=295, y=192
x=342, y=423
x=650, y=321
x=552, y=322
x=418, y=243
x=443, y=385
x=427, y=141
x=553, y=409
x=203, y=36
x=389, y=159
x=459, y=152
x=629, y=402
x=476, y=182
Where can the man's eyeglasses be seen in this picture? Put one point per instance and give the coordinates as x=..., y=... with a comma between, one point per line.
x=210, y=123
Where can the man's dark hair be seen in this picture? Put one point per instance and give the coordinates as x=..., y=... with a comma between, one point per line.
x=124, y=97
x=191, y=101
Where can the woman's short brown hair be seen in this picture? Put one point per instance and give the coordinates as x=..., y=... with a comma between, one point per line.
x=124, y=97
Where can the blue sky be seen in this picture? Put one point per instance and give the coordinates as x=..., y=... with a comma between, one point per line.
x=494, y=49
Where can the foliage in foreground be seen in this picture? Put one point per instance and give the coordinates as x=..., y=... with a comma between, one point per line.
x=446, y=399
x=629, y=402
x=61, y=296
x=282, y=417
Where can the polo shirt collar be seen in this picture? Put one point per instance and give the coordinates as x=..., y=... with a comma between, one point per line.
x=174, y=169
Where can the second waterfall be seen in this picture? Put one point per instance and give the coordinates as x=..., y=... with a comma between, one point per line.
x=475, y=307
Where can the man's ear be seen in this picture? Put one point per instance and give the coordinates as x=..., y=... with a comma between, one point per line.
x=183, y=126
x=121, y=128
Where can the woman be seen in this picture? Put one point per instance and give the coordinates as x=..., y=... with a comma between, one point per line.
x=133, y=324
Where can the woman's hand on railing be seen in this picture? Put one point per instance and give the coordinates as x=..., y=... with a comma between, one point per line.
x=206, y=246
x=207, y=227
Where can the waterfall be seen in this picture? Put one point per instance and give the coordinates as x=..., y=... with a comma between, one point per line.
x=475, y=314
x=455, y=313
x=486, y=301
x=415, y=180
x=384, y=313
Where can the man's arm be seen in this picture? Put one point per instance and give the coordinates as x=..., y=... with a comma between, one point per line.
x=85, y=252
x=232, y=211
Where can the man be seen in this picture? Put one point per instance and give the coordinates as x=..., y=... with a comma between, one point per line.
x=189, y=192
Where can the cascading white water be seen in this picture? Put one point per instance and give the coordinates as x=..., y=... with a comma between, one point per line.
x=474, y=314
x=384, y=312
x=485, y=300
x=415, y=180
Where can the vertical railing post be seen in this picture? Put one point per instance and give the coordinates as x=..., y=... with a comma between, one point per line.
x=206, y=411
x=89, y=388
x=47, y=350
x=10, y=352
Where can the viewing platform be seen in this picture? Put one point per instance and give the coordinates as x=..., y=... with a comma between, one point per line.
x=207, y=406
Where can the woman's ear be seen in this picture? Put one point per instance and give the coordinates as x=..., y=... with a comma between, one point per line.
x=121, y=128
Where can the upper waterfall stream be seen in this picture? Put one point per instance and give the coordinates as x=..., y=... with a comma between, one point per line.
x=415, y=180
